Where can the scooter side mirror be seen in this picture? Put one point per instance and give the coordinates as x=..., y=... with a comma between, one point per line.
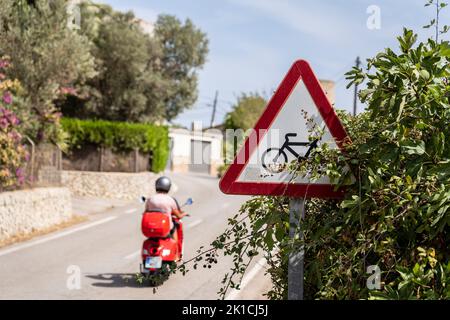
x=189, y=202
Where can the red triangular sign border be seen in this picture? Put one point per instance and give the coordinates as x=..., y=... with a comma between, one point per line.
x=299, y=70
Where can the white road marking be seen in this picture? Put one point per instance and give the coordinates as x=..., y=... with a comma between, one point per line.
x=55, y=236
x=247, y=278
x=133, y=255
x=194, y=224
x=130, y=211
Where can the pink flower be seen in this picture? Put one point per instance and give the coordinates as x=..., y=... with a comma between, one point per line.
x=7, y=117
x=15, y=136
x=20, y=176
x=14, y=120
x=7, y=97
x=4, y=64
x=4, y=123
x=68, y=91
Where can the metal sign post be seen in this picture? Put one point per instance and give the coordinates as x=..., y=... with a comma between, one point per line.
x=296, y=259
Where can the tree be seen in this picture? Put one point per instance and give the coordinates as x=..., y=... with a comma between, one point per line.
x=184, y=51
x=47, y=58
x=122, y=54
x=142, y=78
x=246, y=112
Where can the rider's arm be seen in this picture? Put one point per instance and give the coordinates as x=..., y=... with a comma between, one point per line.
x=178, y=213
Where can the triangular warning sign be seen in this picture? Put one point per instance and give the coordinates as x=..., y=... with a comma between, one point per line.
x=297, y=110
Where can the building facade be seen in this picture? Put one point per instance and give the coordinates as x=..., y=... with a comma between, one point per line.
x=195, y=151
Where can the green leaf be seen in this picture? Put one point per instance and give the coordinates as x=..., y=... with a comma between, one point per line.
x=414, y=147
x=407, y=40
x=416, y=269
x=280, y=234
x=400, y=109
x=445, y=49
x=425, y=75
x=268, y=239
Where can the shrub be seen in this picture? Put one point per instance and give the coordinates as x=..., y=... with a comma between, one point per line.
x=396, y=214
x=12, y=152
x=120, y=136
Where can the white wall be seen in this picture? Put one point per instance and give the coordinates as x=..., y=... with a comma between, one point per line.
x=181, y=150
x=181, y=143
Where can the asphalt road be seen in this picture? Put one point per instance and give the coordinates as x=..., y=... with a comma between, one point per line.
x=105, y=252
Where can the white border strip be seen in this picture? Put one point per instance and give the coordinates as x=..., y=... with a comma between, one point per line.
x=194, y=224
x=133, y=255
x=248, y=277
x=55, y=236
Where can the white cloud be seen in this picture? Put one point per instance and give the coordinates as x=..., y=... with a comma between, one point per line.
x=318, y=20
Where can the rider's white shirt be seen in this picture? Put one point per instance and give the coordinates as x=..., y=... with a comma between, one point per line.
x=163, y=202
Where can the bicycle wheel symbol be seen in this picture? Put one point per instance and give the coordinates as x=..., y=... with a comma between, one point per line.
x=274, y=160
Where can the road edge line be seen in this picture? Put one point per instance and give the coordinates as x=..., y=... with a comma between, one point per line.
x=247, y=278
x=55, y=236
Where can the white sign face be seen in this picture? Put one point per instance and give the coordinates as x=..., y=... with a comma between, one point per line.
x=298, y=119
x=292, y=121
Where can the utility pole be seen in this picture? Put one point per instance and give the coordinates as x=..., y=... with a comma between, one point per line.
x=438, y=10
x=355, y=98
x=214, y=109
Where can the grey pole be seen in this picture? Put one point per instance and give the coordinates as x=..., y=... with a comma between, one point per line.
x=295, y=269
x=214, y=109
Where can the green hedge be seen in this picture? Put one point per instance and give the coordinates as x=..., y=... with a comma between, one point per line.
x=120, y=136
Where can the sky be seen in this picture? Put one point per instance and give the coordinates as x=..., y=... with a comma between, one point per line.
x=253, y=43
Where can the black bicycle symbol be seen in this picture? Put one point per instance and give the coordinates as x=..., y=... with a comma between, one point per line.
x=274, y=160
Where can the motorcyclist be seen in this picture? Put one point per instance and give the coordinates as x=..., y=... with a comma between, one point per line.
x=162, y=202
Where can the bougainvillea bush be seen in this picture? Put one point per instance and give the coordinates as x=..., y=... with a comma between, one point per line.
x=12, y=153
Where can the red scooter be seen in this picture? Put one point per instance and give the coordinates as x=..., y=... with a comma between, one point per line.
x=160, y=251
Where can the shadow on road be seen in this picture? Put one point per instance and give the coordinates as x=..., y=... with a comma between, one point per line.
x=115, y=280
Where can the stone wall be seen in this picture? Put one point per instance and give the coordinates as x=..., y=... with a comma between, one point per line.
x=22, y=212
x=109, y=185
